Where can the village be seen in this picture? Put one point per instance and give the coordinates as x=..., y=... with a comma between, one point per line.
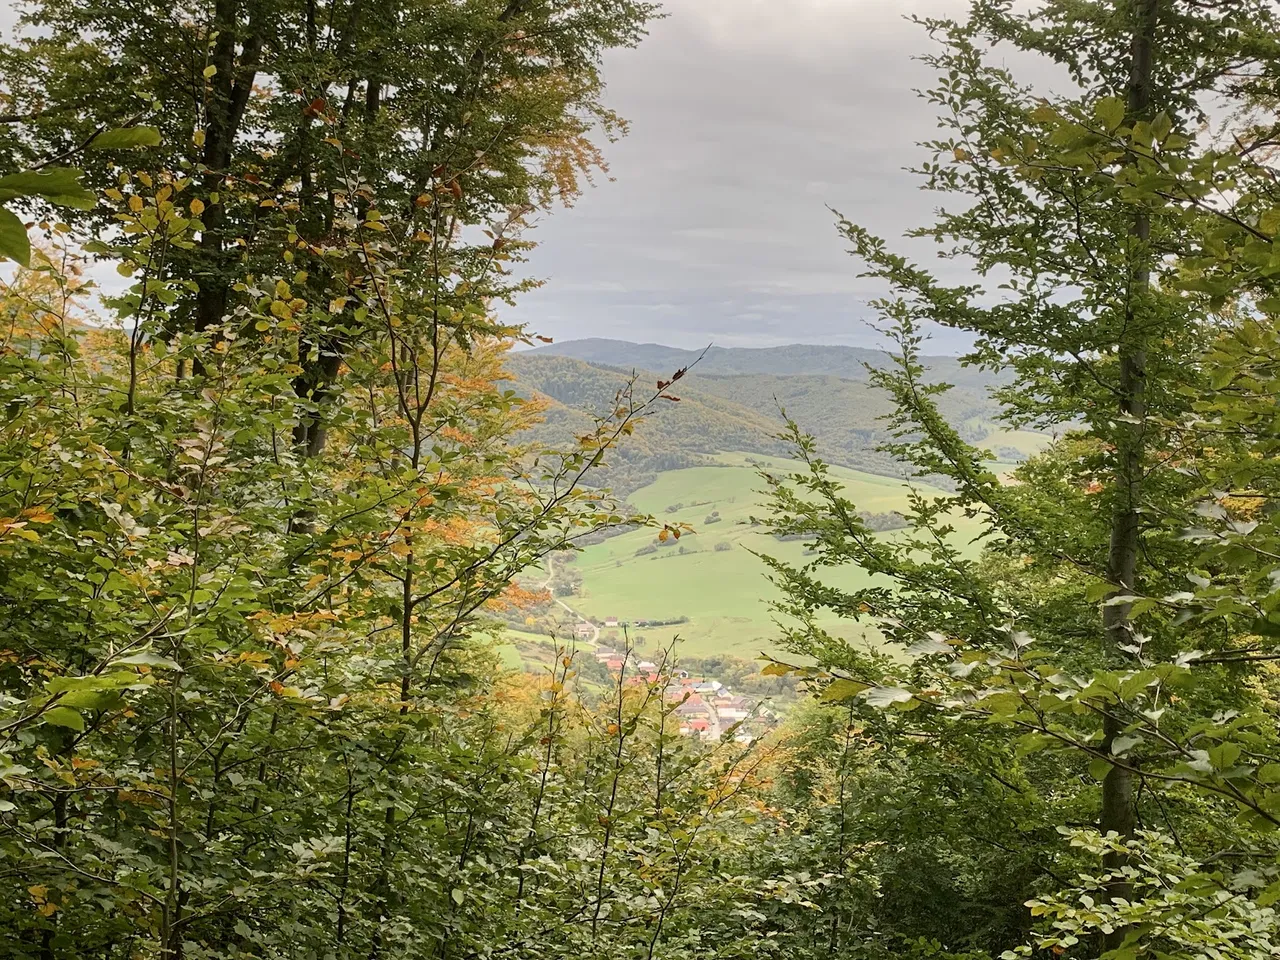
x=705, y=707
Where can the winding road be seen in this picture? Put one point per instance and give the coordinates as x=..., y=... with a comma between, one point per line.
x=551, y=575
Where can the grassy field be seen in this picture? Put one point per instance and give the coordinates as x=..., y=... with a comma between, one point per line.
x=520, y=648
x=725, y=593
x=1024, y=441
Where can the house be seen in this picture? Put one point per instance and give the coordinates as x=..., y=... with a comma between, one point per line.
x=604, y=653
x=697, y=719
x=693, y=707
x=585, y=631
x=610, y=621
x=733, y=708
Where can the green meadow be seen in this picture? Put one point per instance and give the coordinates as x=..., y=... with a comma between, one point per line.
x=725, y=593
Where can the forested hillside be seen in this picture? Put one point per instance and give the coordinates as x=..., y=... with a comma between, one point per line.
x=740, y=410
x=275, y=480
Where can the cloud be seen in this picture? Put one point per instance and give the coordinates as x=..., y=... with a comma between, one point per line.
x=749, y=118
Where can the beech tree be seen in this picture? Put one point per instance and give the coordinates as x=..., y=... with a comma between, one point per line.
x=1103, y=218
x=302, y=123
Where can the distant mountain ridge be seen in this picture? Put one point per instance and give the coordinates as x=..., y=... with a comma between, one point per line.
x=796, y=359
x=732, y=401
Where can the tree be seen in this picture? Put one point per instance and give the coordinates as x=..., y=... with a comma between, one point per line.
x=1092, y=212
x=313, y=125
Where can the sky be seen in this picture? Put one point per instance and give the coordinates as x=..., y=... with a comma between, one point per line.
x=749, y=120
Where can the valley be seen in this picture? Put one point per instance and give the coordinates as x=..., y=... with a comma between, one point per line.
x=698, y=463
x=710, y=589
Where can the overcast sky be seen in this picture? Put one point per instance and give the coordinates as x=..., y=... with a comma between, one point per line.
x=748, y=119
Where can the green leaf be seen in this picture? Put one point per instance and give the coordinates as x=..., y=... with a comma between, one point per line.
x=14, y=243
x=1161, y=125
x=1098, y=590
x=458, y=895
x=118, y=680
x=842, y=690
x=59, y=185
x=884, y=697
x=147, y=659
x=1109, y=112
x=1033, y=742
x=91, y=699
x=934, y=645
x=1122, y=745
x=126, y=138
x=63, y=717
x=1270, y=895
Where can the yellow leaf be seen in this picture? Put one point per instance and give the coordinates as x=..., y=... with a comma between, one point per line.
x=197, y=207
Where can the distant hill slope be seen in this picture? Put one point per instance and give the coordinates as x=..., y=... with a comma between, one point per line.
x=803, y=359
x=730, y=402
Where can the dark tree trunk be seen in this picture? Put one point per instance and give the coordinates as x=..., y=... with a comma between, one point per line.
x=1118, y=813
x=230, y=88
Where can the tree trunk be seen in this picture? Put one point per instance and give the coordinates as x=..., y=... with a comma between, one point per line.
x=1118, y=809
x=230, y=87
